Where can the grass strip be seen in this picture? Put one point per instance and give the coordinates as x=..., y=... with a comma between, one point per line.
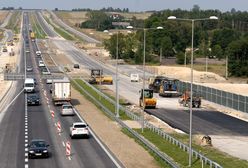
x=39, y=33
x=14, y=22
x=60, y=31
x=182, y=157
x=105, y=102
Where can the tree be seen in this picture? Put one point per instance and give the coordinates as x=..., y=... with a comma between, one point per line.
x=238, y=58
x=217, y=51
x=180, y=58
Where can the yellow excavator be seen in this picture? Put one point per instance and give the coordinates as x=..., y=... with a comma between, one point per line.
x=149, y=101
x=97, y=77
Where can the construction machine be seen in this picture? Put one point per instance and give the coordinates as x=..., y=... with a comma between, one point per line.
x=155, y=82
x=149, y=100
x=168, y=88
x=185, y=99
x=97, y=77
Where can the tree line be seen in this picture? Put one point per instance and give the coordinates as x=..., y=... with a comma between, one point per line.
x=224, y=38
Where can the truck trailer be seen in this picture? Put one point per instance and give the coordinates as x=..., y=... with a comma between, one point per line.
x=61, y=91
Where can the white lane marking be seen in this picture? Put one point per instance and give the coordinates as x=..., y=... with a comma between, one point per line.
x=26, y=166
x=26, y=133
x=69, y=158
x=26, y=126
x=26, y=123
x=26, y=154
x=26, y=160
x=26, y=140
x=26, y=137
x=100, y=143
x=63, y=143
x=26, y=144
x=26, y=149
x=26, y=130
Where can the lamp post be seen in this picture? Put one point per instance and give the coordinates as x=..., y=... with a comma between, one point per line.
x=191, y=76
x=144, y=62
x=116, y=77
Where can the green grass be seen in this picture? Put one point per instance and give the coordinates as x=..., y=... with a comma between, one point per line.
x=106, y=103
x=159, y=161
x=181, y=157
x=39, y=33
x=60, y=31
x=14, y=22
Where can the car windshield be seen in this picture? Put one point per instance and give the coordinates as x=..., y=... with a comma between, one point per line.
x=38, y=144
x=67, y=107
x=80, y=126
x=29, y=85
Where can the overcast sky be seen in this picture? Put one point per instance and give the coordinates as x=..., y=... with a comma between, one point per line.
x=133, y=5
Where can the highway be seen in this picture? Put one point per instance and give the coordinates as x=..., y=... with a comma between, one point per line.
x=205, y=121
x=79, y=34
x=19, y=124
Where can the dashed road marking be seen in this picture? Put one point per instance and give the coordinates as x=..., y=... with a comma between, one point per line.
x=63, y=143
x=26, y=166
x=26, y=160
x=26, y=149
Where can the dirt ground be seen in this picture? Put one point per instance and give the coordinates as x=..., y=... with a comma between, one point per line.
x=3, y=15
x=202, y=78
x=126, y=149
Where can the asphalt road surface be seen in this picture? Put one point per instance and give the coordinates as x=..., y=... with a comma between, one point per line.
x=20, y=124
x=205, y=121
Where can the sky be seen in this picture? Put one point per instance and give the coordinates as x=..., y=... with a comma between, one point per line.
x=133, y=5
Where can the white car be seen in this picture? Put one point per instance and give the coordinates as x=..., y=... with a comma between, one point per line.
x=134, y=77
x=79, y=129
x=67, y=109
x=38, y=53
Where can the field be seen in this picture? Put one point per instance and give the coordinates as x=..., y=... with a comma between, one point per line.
x=3, y=15
x=71, y=18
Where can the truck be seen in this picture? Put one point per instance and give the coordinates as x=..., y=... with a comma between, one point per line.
x=32, y=36
x=169, y=88
x=61, y=91
x=97, y=77
x=155, y=82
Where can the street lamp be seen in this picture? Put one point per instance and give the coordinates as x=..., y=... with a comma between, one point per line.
x=191, y=77
x=144, y=62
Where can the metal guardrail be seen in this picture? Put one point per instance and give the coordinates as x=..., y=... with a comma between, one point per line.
x=163, y=156
x=150, y=126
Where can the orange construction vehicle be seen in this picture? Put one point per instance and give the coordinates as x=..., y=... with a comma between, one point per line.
x=185, y=99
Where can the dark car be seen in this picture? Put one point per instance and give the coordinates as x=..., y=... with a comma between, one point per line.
x=33, y=99
x=38, y=148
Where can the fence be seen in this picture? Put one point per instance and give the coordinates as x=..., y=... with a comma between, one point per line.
x=150, y=127
x=227, y=99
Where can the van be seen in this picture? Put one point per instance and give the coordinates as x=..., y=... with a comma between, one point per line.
x=134, y=77
x=67, y=109
x=29, y=85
